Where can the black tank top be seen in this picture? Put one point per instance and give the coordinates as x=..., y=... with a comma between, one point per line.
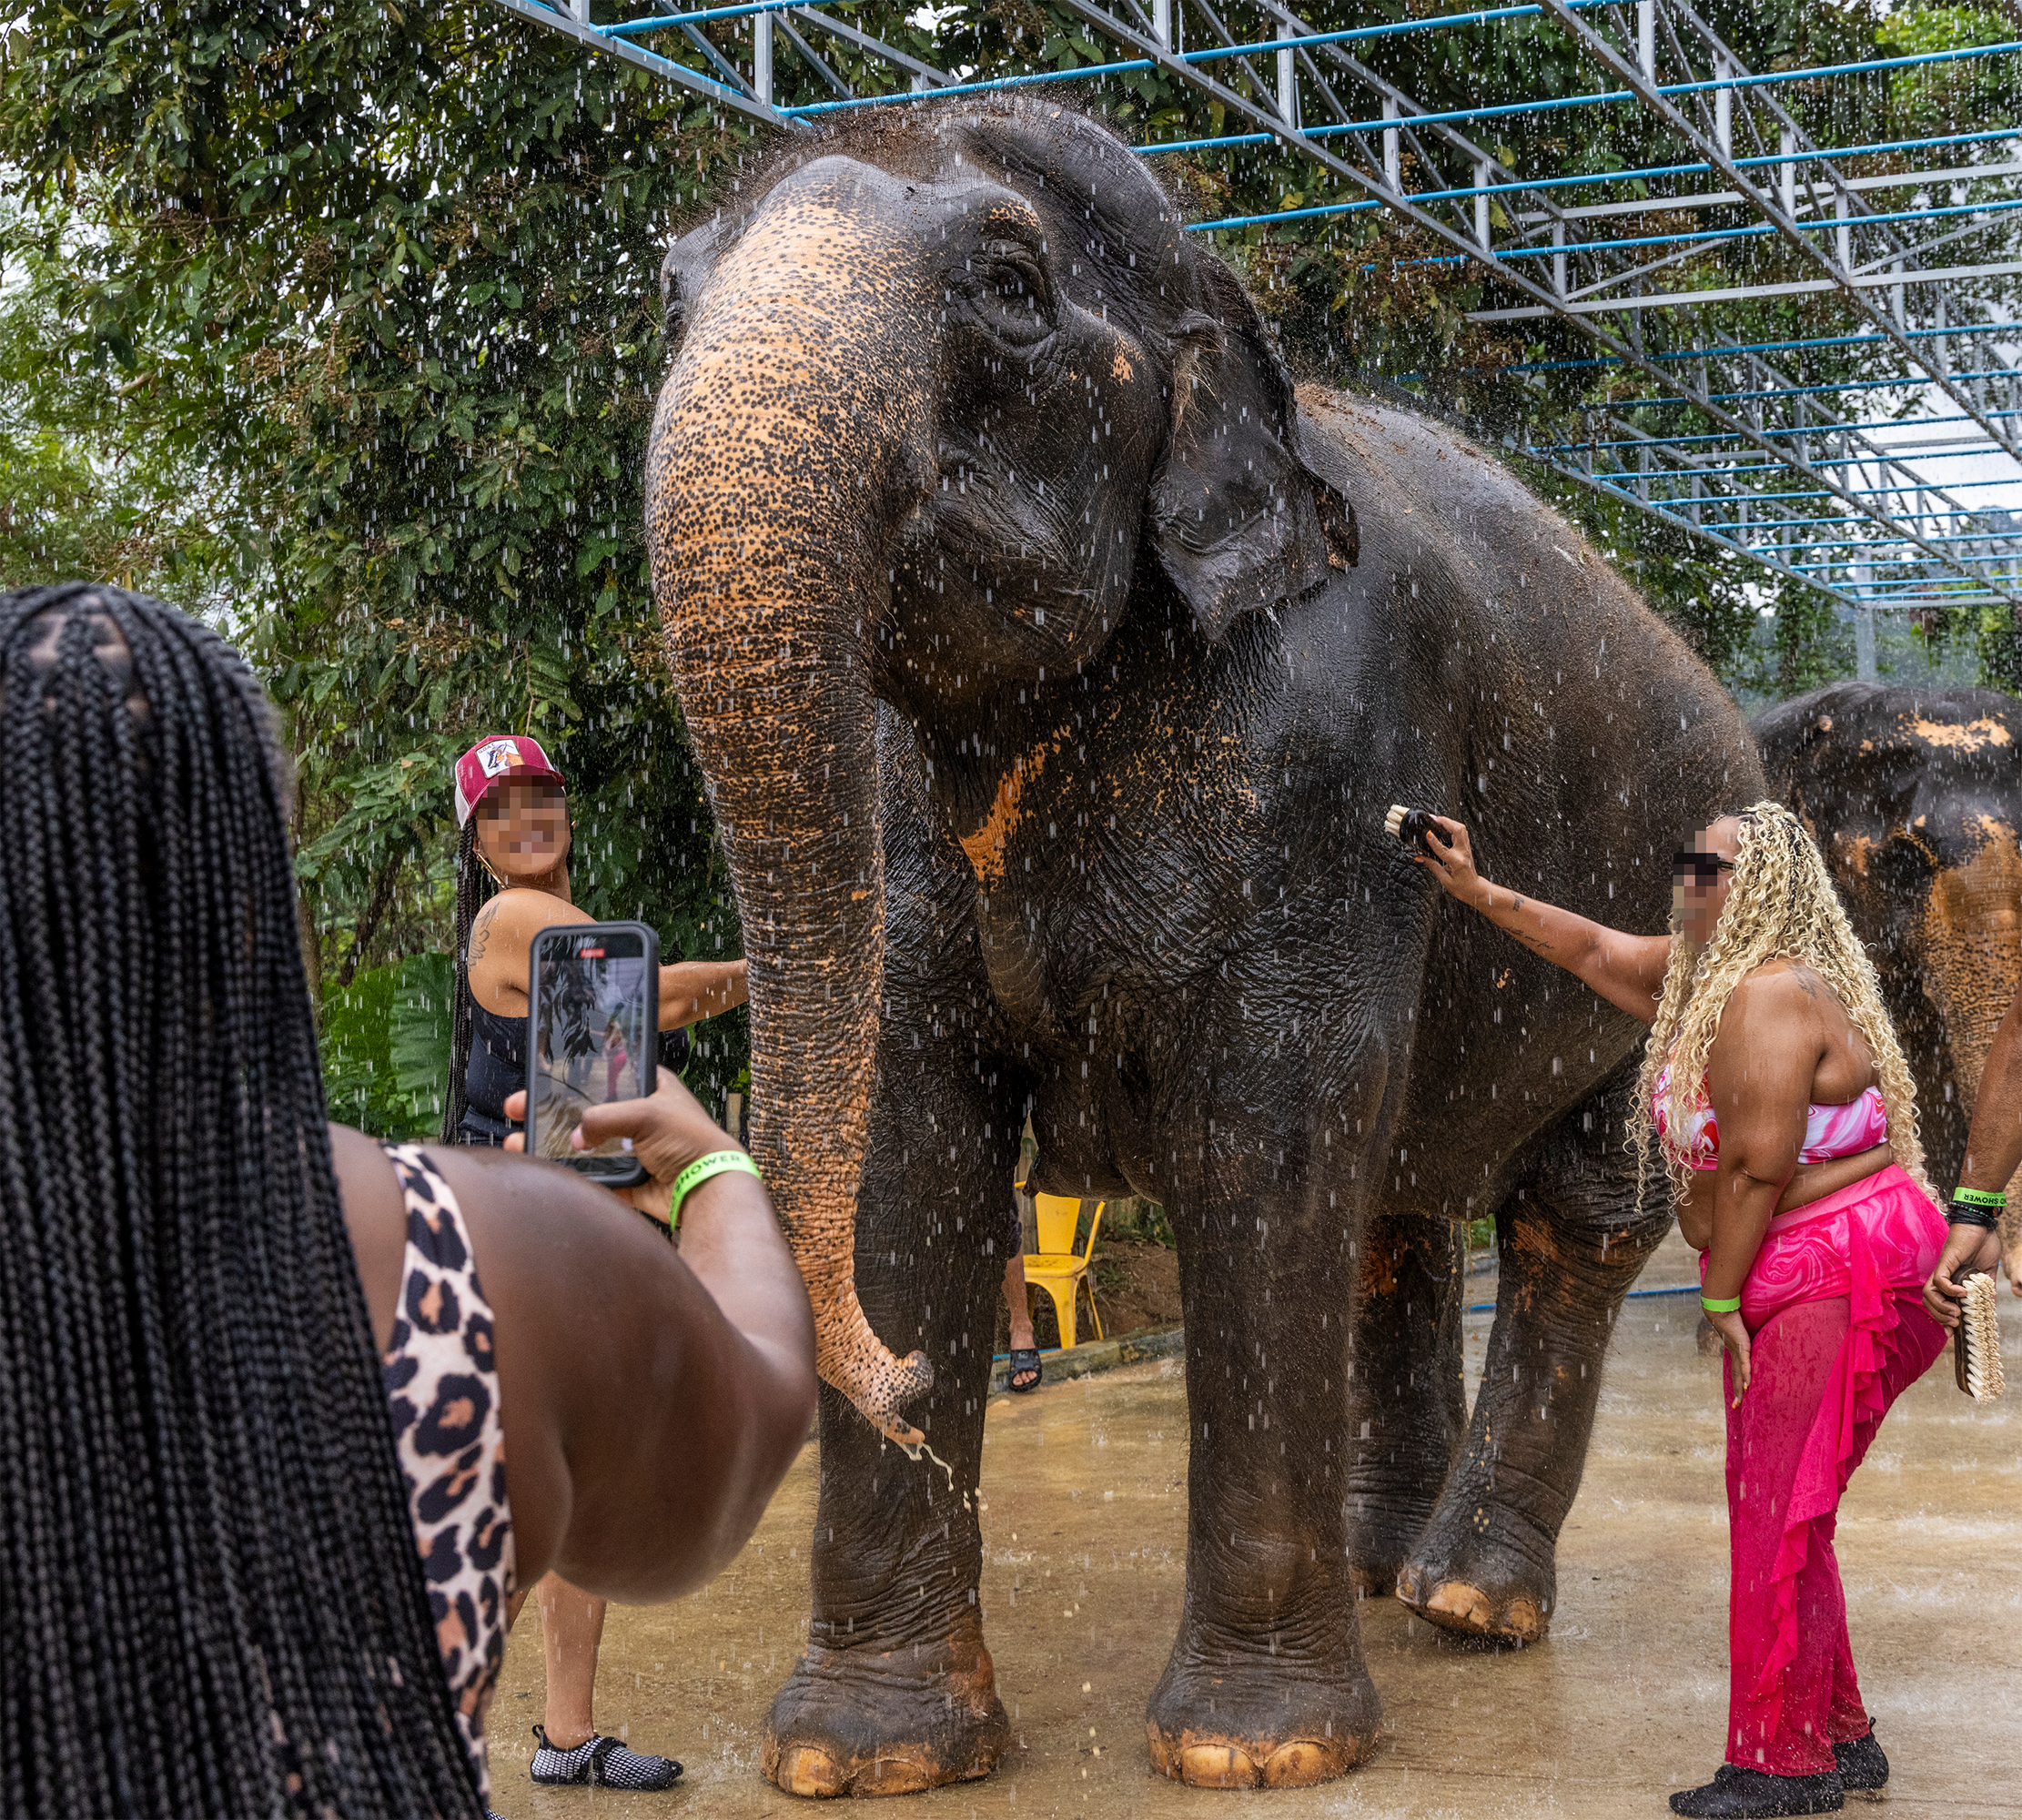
x=498, y=1067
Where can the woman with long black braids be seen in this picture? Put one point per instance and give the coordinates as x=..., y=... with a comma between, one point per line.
x=259, y=1376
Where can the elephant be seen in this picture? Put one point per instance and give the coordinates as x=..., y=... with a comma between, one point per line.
x=1914, y=794
x=1051, y=660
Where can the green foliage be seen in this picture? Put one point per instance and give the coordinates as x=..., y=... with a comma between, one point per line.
x=399, y=267
x=1144, y=1221
x=386, y=1047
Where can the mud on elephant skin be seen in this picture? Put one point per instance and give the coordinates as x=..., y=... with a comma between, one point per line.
x=1052, y=666
x=1915, y=797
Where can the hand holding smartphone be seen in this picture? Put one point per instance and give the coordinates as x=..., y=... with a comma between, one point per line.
x=594, y=1000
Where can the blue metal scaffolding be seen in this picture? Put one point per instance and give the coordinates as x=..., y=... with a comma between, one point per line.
x=1874, y=490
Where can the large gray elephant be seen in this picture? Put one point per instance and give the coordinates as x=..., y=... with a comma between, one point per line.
x=1052, y=667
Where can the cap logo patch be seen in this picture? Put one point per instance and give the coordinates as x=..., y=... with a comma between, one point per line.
x=499, y=756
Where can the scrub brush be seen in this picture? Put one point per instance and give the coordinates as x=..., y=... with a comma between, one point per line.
x=1977, y=1340
x=1414, y=827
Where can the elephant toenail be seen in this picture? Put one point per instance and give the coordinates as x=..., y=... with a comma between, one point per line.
x=808, y=1770
x=1298, y=1763
x=1217, y=1767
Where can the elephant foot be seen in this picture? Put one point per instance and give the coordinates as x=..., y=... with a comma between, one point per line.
x=1245, y=1723
x=864, y=1722
x=1480, y=1589
x=1382, y=1532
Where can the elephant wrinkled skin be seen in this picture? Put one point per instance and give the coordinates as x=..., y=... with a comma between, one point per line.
x=1915, y=795
x=1052, y=668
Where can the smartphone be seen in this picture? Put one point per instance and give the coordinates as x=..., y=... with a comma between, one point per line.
x=593, y=1036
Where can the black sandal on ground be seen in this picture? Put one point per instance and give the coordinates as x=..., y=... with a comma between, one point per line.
x=599, y=1759
x=1863, y=1769
x=1737, y=1794
x=1024, y=1359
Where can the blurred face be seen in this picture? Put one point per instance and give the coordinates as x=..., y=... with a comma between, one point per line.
x=524, y=830
x=1701, y=872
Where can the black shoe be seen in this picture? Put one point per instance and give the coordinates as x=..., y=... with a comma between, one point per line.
x=1737, y=1794
x=1024, y=1359
x=603, y=1760
x=1863, y=1769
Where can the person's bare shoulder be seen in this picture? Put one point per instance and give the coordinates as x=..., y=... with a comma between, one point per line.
x=501, y=938
x=1780, y=1005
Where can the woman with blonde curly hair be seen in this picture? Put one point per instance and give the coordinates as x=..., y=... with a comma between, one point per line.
x=1775, y=1088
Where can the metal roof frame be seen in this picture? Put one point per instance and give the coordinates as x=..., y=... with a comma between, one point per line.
x=1795, y=477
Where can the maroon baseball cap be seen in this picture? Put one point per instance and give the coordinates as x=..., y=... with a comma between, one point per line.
x=502, y=758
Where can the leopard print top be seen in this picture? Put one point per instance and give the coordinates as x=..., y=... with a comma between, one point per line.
x=442, y=1383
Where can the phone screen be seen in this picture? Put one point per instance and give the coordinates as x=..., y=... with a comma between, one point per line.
x=596, y=1000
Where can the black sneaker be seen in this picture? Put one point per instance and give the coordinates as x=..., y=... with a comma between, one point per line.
x=1737, y=1794
x=597, y=1759
x=1863, y=1769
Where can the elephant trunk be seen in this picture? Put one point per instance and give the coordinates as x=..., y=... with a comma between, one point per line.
x=768, y=487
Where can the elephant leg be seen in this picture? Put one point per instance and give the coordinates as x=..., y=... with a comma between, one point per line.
x=1407, y=1406
x=1571, y=1238
x=896, y=1691
x=1266, y=1684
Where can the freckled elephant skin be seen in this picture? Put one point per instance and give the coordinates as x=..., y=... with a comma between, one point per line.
x=1915, y=797
x=1052, y=665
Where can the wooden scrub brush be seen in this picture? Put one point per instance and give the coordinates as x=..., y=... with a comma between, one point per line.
x=1977, y=1340
x=1412, y=826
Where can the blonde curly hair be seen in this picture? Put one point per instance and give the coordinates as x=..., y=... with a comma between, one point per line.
x=1781, y=905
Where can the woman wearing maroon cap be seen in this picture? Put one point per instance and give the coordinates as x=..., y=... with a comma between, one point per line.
x=513, y=808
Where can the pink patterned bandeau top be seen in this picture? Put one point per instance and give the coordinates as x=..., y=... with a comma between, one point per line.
x=1830, y=1131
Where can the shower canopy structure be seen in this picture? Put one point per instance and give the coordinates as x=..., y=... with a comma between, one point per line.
x=1886, y=489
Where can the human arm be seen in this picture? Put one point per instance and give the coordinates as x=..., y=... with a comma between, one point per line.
x=693, y=990
x=1628, y=971
x=1993, y=1154
x=1759, y=1077
x=655, y=1398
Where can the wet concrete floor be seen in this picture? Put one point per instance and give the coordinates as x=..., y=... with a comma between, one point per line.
x=1085, y=1527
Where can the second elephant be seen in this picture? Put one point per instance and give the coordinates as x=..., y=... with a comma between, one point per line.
x=1915, y=795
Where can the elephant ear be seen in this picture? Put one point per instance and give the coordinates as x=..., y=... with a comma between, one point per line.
x=683, y=274
x=1237, y=518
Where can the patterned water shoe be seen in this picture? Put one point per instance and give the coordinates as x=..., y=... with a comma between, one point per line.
x=599, y=1759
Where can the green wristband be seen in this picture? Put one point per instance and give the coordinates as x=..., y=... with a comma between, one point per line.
x=717, y=1163
x=1720, y=1304
x=1980, y=1197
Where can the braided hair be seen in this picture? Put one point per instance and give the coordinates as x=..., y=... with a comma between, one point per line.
x=474, y=887
x=213, y=1603
x=1781, y=904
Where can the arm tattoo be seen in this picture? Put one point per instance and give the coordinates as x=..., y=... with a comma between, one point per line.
x=480, y=935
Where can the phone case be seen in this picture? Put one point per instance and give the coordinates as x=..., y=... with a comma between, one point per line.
x=611, y=1172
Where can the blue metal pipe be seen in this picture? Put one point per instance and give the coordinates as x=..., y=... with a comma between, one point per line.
x=1815, y=429
x=1851, y=518
x=661, y=22
x=1896, y=384
x=1698, y=169
x=2010, y=329
x=1756, y=231
x=1453, y=115
x=1542, y=452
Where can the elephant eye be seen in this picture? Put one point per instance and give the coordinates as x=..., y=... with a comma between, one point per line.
x=1016, y=284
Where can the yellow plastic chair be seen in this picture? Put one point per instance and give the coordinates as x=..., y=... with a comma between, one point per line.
x=1056, y=1266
